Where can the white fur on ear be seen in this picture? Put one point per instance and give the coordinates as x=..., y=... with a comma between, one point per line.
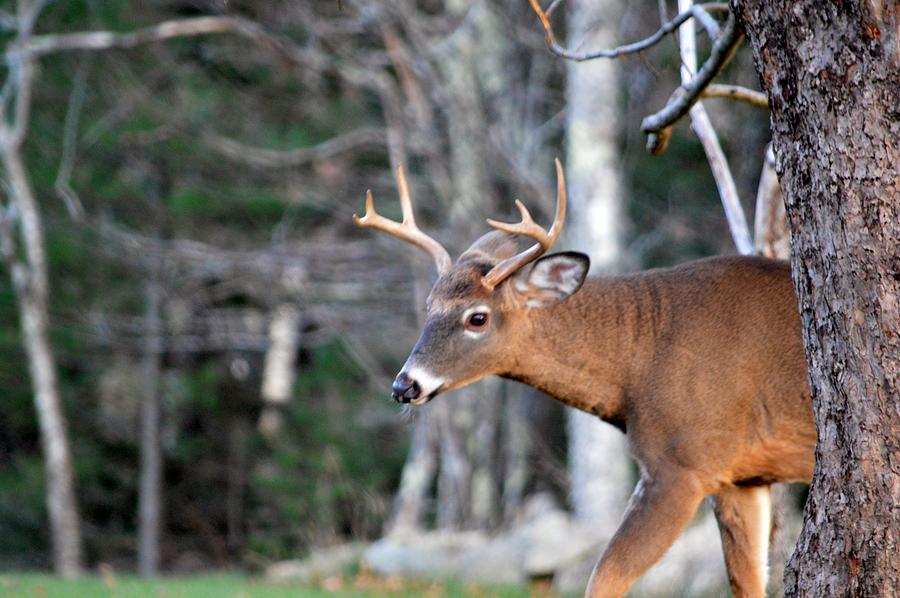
x=554, y=277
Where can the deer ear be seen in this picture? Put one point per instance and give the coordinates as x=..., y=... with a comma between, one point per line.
x=552, y=278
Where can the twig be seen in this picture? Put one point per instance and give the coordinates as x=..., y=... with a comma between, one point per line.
x=699, y=12
x=41, y=45
x=721, y=53
x=70, y=145
x=703, y=127
x=269, y=158
x=736, y=92
x=718, y=163
x=771, y=233
x=553, y=6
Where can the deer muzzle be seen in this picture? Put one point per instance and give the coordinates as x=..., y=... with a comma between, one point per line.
x=405, y=389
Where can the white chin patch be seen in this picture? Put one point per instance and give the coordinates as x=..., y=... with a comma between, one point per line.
x=427, y=384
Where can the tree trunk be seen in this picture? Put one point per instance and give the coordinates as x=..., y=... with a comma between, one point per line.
x=472, y=70
x=411, y=500
x=599, y=461
x=278, y=368
x=238, y=465
x=30, y=281
x=771, y=237
x=599, y=465
x=831, y=72
x=418, y=474
x=485, y=453
x=516, y=447
x=150, y=491
x=456, y=418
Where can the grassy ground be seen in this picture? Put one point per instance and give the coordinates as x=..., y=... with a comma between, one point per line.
x=37, y=585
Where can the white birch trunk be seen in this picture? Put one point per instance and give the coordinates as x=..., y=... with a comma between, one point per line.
x=278, y=368
x=599, y=465
x=30, y=281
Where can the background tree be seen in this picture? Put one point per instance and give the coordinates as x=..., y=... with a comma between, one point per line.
x=259, y=126
x=21, y=224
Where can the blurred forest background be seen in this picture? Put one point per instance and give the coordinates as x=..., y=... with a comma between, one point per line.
x=225, y=337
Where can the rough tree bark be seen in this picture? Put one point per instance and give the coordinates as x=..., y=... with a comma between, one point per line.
x=831, y=72
x=771, y=237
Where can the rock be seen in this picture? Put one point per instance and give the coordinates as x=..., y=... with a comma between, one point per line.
x=553, y=540
x=321, y=564
x=469, y=557
x=500, y=561
x=545, y=543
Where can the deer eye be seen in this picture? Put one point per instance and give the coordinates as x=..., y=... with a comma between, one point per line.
x=477, y=321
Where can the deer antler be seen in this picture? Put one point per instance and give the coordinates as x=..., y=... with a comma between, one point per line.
x=406, y=230
x=529, y=228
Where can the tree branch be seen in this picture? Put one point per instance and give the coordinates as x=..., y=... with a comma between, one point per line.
x=41, y=45
x=699, y=12
x=63, y=184
x=703, y=127
x=736, y=92
x=721, y=53
x=269, y=158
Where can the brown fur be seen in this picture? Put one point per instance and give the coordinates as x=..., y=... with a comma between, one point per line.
x=701, y=365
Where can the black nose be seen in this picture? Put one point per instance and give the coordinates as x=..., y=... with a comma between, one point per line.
x=405, y=388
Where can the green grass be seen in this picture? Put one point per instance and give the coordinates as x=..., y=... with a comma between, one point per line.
x=38, y=585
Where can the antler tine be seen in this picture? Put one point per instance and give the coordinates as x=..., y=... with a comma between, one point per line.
x=406, y=230
x=527, y=227
x=405, y=200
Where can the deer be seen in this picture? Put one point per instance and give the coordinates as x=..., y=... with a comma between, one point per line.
x=701, y=365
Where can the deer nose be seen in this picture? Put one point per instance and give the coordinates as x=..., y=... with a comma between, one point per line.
x=405, y=388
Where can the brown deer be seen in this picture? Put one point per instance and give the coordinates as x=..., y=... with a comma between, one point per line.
x=701, y=365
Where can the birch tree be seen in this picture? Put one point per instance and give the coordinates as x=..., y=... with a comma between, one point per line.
x=22, y=226
x=599, y=463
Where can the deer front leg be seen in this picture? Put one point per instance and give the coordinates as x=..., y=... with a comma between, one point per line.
x=745, y=523
x=658, y=511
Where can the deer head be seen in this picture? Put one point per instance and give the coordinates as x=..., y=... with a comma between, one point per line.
x=479, y=307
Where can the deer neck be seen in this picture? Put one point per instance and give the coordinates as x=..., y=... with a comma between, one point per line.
x=582, y=351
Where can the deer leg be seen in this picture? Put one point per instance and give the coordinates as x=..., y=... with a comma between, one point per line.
x=745, y=522
x=658, y=511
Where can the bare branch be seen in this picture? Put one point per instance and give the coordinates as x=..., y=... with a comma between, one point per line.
x=721, y=53
x=772, y=236
x=70, y=145
x=703, y=127
x=718, y=163
x=41, y=45
x=699, y=12
x=736, y=92
x=269, y=158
